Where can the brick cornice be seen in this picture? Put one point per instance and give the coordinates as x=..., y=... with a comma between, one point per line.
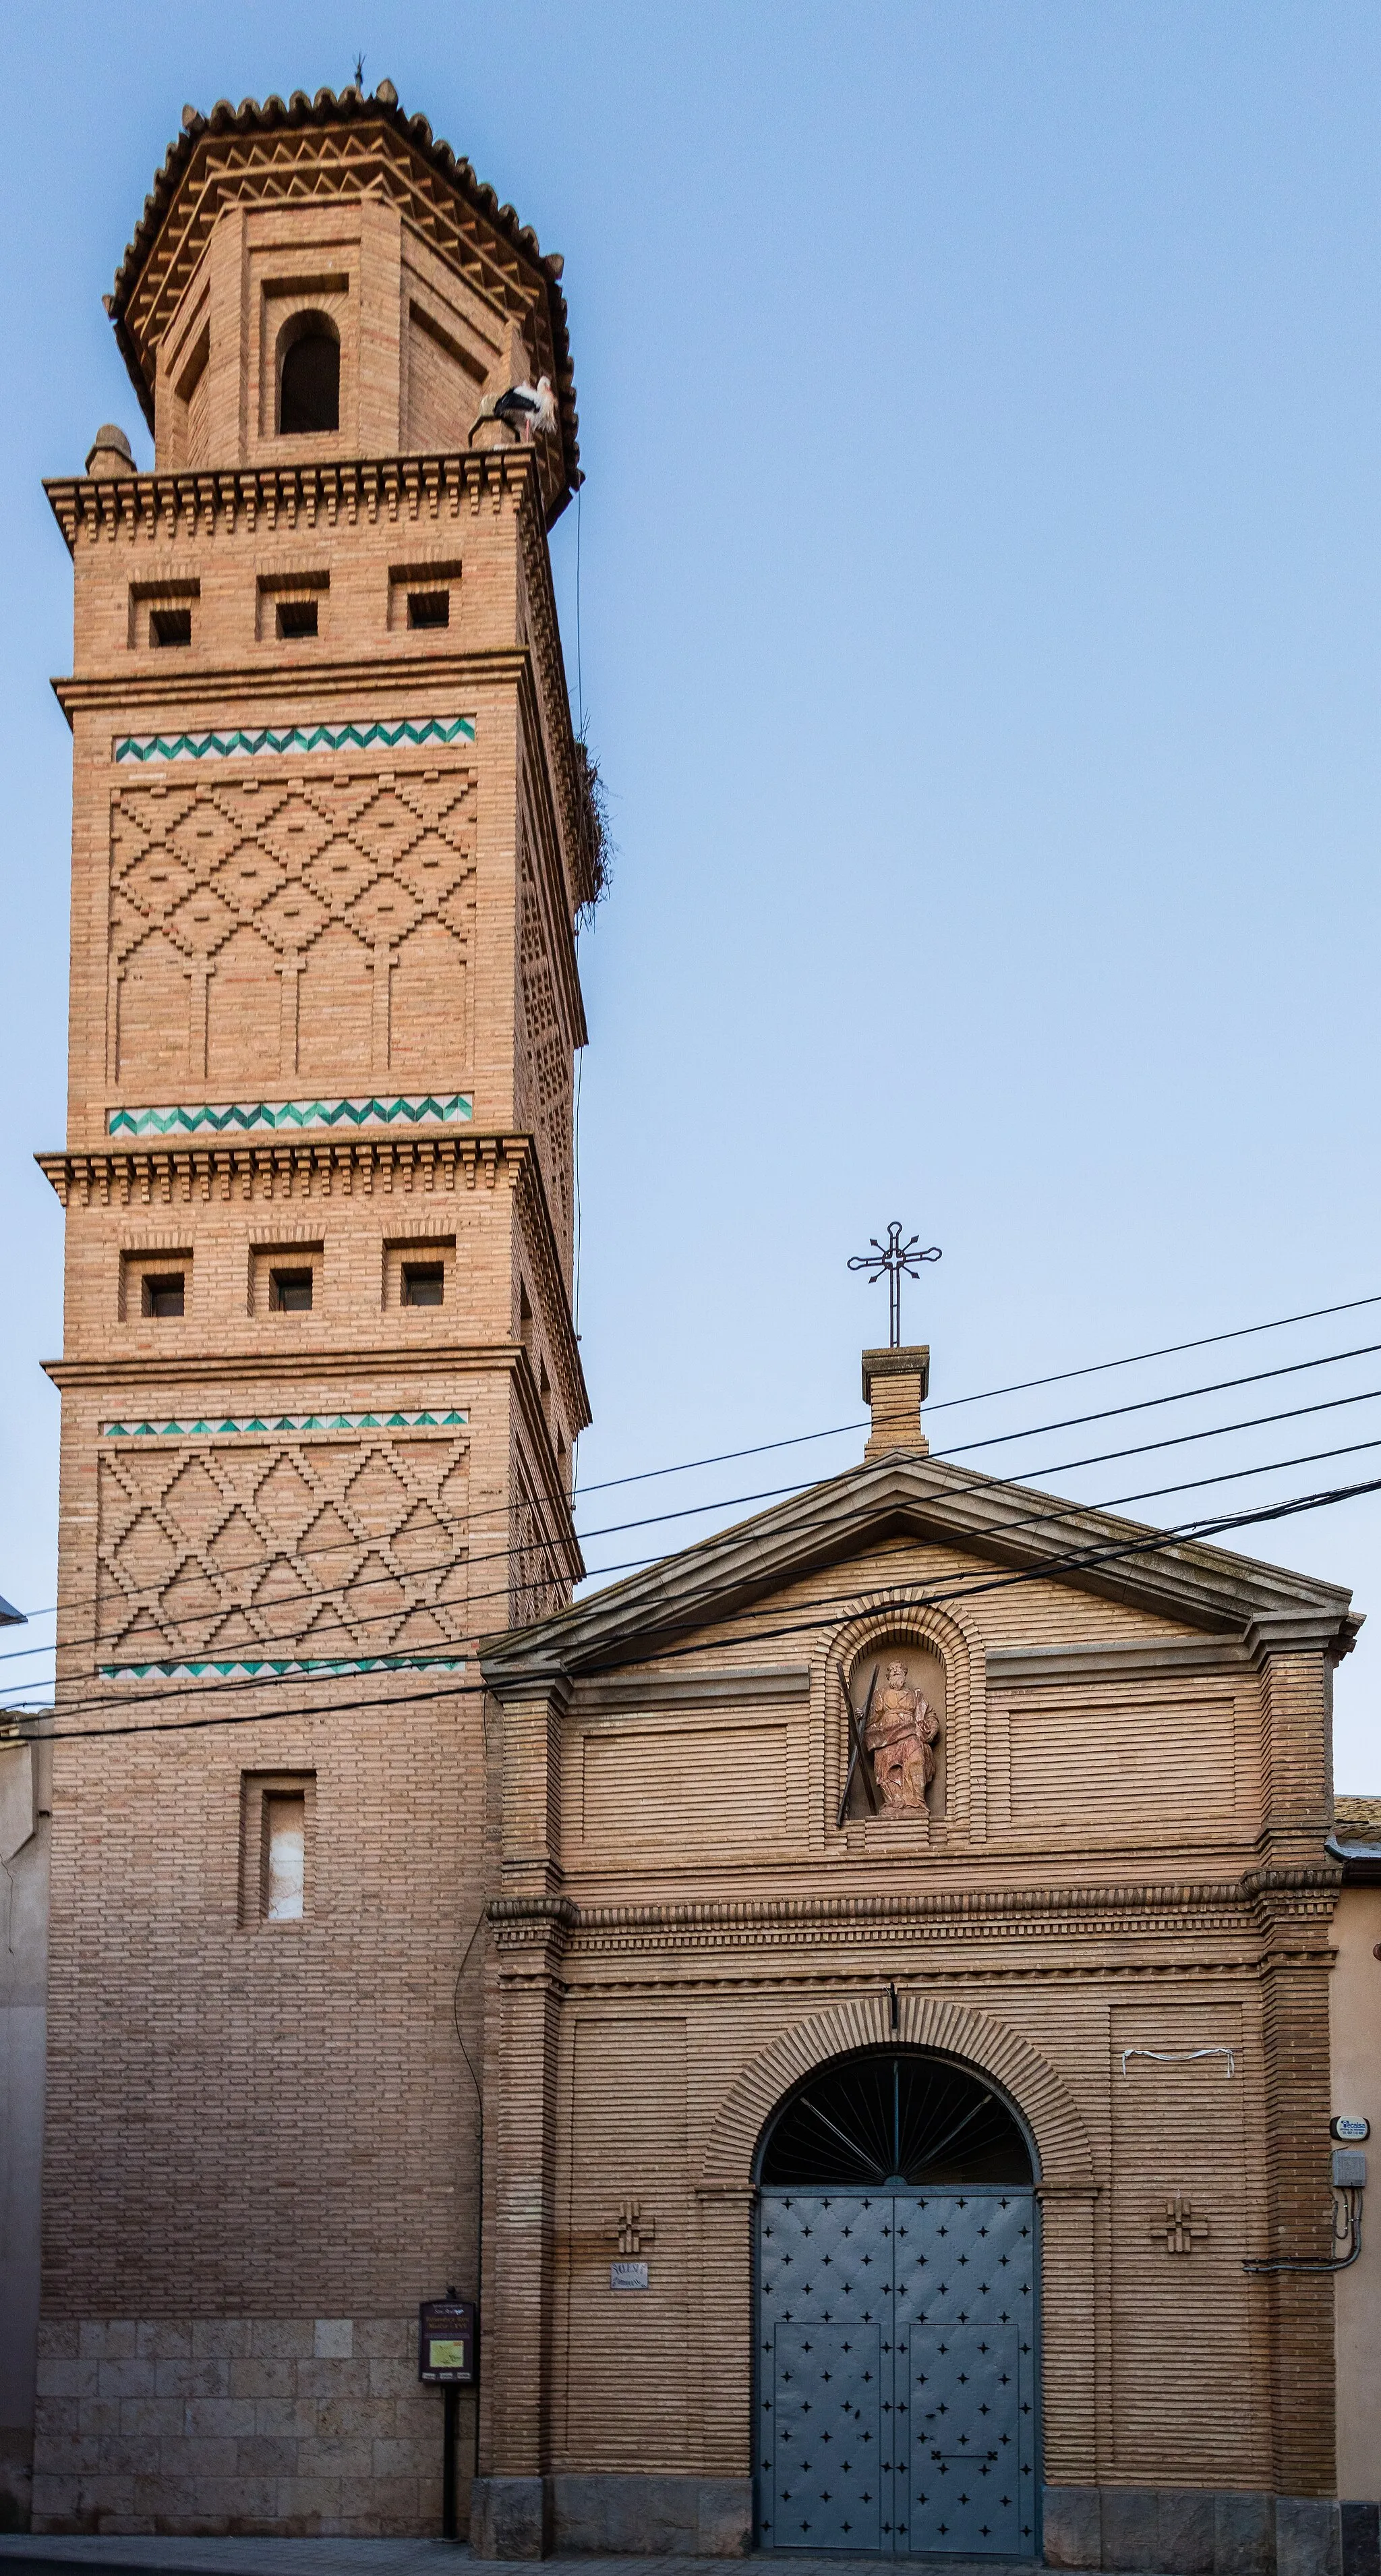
x=287, y=499
x=1147, y=1907
x=202, y=694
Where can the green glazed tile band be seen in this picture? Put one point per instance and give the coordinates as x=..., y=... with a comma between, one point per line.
x=345, y=737
x=247, y=1669
x=219, y=1427
x=243, y=1117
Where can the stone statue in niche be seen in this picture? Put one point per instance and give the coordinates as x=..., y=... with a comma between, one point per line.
x=902, y=1733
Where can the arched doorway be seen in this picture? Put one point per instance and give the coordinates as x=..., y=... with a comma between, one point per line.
x=896, y=2387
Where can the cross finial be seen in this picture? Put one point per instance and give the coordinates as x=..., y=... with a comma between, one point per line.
x=900, y=1261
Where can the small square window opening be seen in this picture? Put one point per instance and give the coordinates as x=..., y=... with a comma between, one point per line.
x=284, y=1855
x=424, y=1283
x=429, y=608
x=166, y=1295
x=170, y=626
x=290, y=1292
x=296, y=618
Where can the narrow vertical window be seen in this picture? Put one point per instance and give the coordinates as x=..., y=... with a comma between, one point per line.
x=285, y=1855
x=308, y=376
x=277, y=1831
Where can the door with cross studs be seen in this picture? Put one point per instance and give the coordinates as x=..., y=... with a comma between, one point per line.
x=896, y=2389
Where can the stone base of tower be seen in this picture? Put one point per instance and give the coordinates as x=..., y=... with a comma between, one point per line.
x=286, y=2425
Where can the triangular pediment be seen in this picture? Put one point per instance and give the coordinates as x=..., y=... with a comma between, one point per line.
x=1019, y=1533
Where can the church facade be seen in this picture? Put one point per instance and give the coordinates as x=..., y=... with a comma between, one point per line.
x=952, y=2116
x=851, y=2003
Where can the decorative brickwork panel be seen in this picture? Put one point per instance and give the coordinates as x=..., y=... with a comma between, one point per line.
x=544, y=1056
x=242, y=1550
x=261, y=929
x=1145, y=1756
x=654, y=1787
x=1179, y=2137
x=628, y=2141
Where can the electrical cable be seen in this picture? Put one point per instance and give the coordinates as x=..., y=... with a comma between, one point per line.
x=1278, y=1323
x=1147, y=1403
x=988, y=1395
x=579, y=661
x=1349, y=2234
x=896, y=1597
x=1195, y=1532
x=1061, y=1510
x=1118, y=1502
x=318, y=1599
x=314, y=1603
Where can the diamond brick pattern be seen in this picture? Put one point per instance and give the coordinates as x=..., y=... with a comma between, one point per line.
x=274, y=1551
x=307, y=927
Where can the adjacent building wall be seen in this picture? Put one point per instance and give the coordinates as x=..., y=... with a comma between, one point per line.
x=1356, y=2037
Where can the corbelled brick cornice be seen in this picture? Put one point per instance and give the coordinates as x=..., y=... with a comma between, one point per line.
x=1192, y=1906
x=269, y=499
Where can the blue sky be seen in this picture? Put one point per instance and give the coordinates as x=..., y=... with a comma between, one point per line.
x=978, y=633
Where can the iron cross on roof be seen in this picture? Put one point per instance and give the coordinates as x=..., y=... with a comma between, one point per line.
x=900, y=1261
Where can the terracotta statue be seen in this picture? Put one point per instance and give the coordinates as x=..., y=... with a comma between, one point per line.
x=902, y=1729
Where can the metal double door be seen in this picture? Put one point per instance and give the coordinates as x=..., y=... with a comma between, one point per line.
x=896, y=2386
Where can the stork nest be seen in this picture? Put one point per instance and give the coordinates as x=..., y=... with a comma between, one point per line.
x=594, y=811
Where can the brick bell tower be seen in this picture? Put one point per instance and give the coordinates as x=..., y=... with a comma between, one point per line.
x=331, y=839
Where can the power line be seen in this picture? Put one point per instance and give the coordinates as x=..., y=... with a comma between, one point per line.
x=313, y=1602
x=988, y=1395
x=1091, y=1368
x=1193, y=1531
x=835, y=1431
x=1148, y=1403
x=1057, y=1510
x=896, y=1597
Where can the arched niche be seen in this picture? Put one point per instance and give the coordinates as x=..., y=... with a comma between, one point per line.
x=943, y=1664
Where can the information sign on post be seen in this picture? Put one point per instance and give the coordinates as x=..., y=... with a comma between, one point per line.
x=447, y=2350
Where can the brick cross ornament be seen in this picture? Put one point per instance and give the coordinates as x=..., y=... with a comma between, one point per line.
x=634, y=2232
x=1179, y=2227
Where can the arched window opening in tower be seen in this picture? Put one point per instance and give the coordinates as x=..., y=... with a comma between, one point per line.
x=308, y=376
x=884, y=2117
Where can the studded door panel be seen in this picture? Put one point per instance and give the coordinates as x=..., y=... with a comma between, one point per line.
x=896, y=2375
x=825, y=2285
x=827, y=2465
x=965, y=2326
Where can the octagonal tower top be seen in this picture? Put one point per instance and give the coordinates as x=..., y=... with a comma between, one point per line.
x=322, y=279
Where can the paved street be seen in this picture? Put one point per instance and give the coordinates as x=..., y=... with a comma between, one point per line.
x=23, y=2555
